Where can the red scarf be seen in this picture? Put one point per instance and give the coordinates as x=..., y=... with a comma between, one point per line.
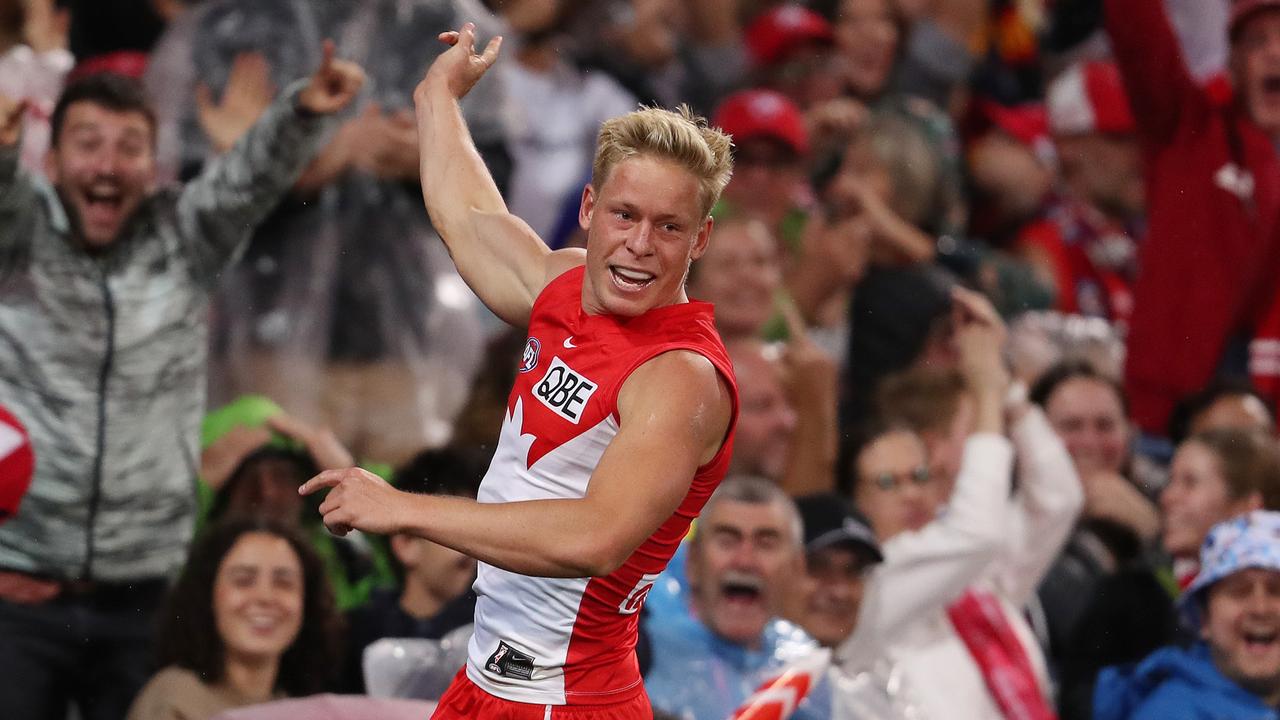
x=980, y=622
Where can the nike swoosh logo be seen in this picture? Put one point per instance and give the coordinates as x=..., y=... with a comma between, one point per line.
x=568, y=343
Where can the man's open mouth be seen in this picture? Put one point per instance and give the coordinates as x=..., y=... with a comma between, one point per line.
x=630, y=279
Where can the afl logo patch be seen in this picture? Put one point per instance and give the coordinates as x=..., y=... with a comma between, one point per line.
x=532, y=348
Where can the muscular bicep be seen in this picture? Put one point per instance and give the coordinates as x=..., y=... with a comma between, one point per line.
x=673, y=412
x=507, y=264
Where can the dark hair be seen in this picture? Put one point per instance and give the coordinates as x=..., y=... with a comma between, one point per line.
x=1189, y=408
x=188, y=635
x=1248, y=460
x=853, y=444
x=301, y=461
x=118, y=93
x=452, y=470
x=1055, y=376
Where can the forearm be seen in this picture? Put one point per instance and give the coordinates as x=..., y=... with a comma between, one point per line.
x=924, y=571
x=18, y=203
x=501, y=259
x=455, y=181
x=906, y=241
x=1046, y=505
x=811, y=462
x=542, y=538
x=218, y=209
x=1150, y=60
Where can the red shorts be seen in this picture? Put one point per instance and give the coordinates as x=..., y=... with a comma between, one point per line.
x=464, y=700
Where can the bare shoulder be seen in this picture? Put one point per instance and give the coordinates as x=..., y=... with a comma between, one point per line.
x=679, y=390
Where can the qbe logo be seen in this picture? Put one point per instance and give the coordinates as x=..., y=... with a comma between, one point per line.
x=565, y=391
x=529, y=360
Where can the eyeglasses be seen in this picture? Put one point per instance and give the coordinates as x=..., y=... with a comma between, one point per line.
x=893, y=481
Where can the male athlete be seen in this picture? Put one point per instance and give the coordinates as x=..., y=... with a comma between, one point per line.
x=618, y=428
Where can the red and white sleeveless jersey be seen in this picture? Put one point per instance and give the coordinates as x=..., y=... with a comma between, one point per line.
x=559, y=641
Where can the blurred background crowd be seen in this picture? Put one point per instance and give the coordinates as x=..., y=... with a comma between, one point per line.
x=1003, y=519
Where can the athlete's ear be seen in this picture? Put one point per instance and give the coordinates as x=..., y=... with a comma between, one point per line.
x=702, y=240
x=586, y=207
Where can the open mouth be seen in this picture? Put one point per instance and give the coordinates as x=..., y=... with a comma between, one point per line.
x=630, y=280
x=1271, y=84
x=263, y=624
x=742, y=590
x=1261, y=641
x=103, y=201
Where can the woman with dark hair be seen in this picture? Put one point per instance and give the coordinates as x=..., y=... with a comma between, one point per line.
x=1102, y=602
x=250, y=620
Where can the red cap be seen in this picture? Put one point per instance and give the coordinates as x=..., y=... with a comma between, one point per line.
x=1242, y=10
x=1089, y=98
x=129, y=63
x=775, y=33
x=17, y=462
x=750, y=114
x=1027, y=123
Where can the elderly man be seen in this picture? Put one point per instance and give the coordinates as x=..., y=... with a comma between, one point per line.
x=744, y=559
x=104, y=284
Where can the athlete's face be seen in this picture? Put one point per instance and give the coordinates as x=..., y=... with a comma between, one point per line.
x=745, y=558
x=644, y=224
x=257, y=598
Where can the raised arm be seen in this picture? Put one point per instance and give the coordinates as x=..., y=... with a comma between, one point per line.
x=497, y=254
x=1156, y=78
x=674, y=407
x=926, y=570
x=218, y=210
x=1045, y=507
x=17, y=193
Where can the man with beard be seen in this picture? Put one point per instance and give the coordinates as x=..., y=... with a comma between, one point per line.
x=103, y=288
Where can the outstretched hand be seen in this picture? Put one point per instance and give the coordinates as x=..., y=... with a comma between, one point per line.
x=459, y=68
x=357, y=500
x=333, y=86
x=11, y=112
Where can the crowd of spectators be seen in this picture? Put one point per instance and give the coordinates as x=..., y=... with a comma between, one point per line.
x=998, y=279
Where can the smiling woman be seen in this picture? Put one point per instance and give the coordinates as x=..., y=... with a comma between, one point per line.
x=250, y=620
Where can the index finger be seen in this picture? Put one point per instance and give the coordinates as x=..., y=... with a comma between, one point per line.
x=326, y=479
x=326, y=55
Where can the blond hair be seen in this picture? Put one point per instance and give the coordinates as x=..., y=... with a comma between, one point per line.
x=679, y=136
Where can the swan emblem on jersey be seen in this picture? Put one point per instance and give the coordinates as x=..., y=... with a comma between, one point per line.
x=529, y=360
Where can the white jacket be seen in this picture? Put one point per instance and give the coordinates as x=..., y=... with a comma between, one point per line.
x=987, y=538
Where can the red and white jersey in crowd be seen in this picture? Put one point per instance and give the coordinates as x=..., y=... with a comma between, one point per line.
x=1264, y=353
x=559, y=641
